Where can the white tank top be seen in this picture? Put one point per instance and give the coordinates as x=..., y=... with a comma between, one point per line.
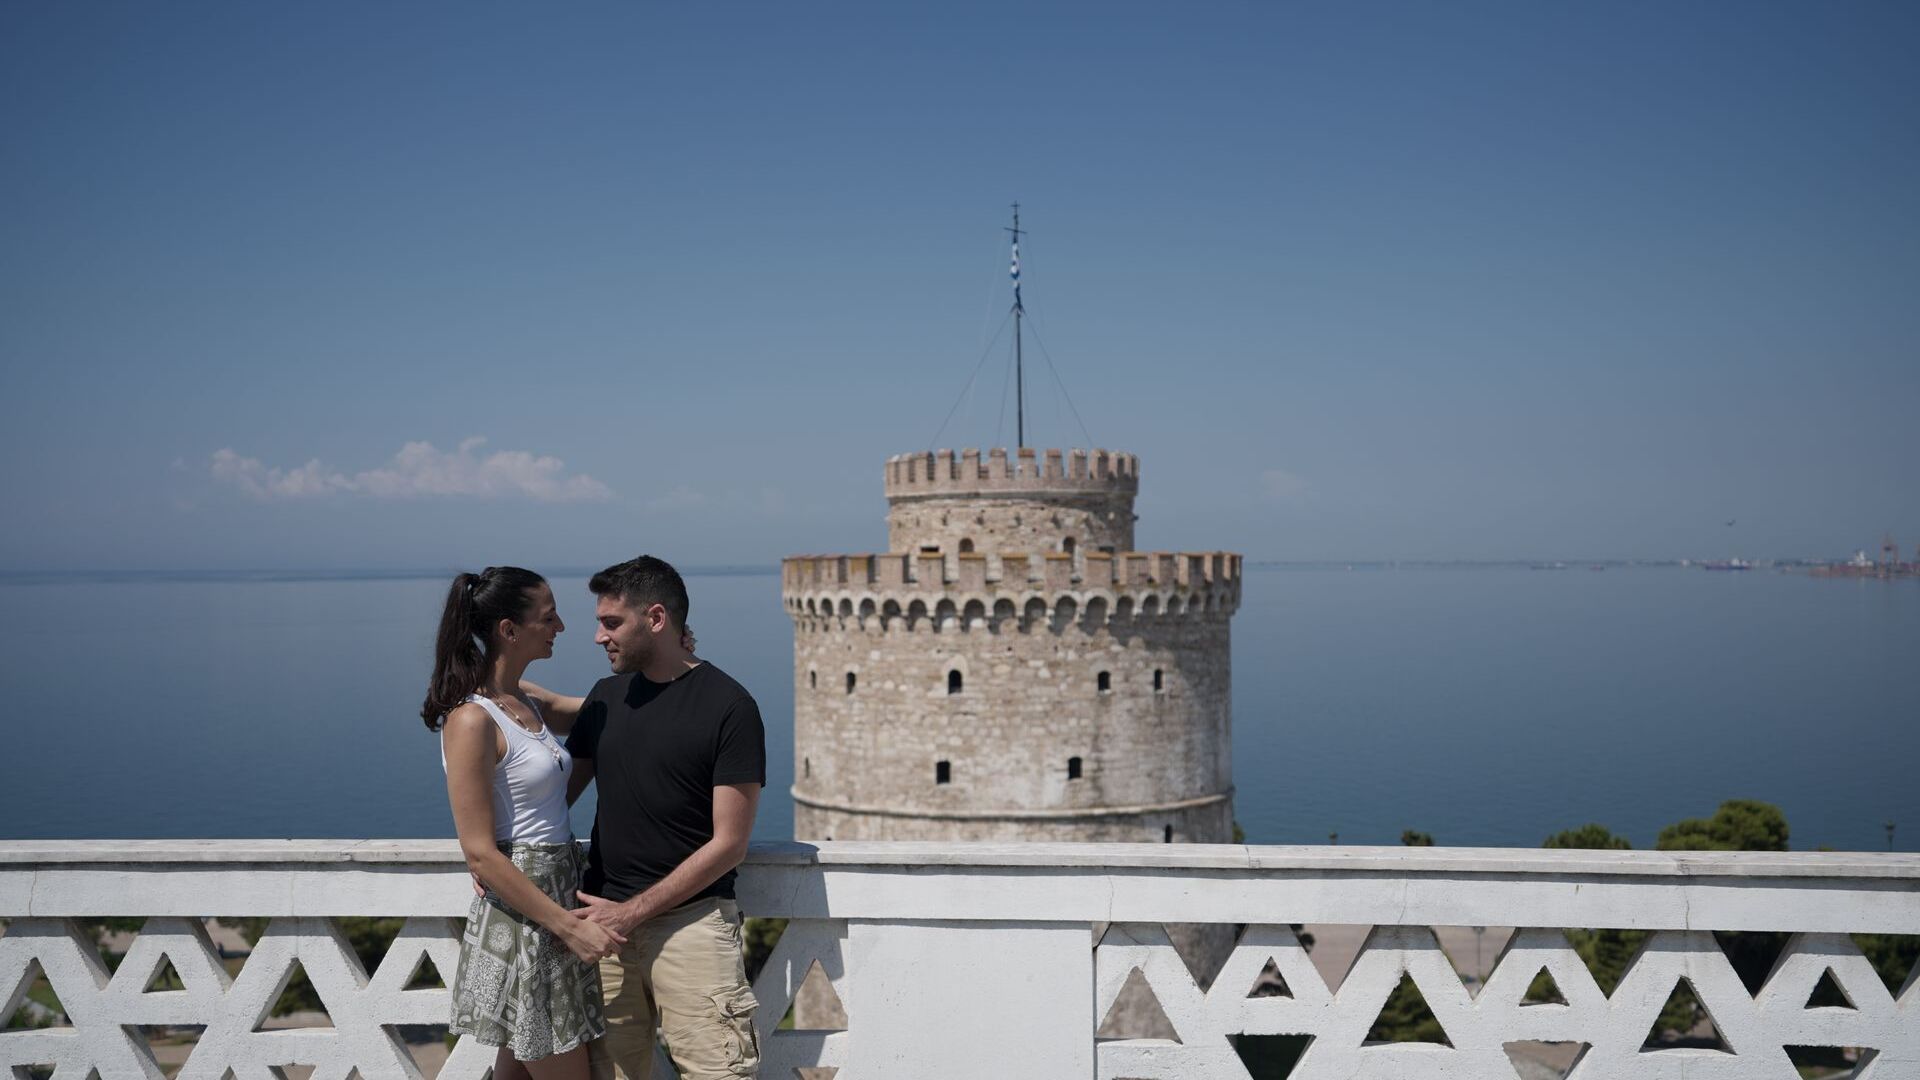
x=529, y=784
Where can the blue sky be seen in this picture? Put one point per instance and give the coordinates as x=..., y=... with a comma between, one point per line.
x=1354, y=280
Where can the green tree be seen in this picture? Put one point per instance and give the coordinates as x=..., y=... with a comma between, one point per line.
x=1591, y=836
x=760, y=936
x=1739, y=825
x=1416, y=839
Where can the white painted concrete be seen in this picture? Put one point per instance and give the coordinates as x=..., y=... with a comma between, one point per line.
x=911, y=937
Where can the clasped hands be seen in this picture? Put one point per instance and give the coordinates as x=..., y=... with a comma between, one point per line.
x=601, y=926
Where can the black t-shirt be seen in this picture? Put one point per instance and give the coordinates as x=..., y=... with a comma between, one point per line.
x=659, y=750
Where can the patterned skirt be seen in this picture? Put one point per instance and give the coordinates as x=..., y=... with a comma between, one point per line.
x=517, y=986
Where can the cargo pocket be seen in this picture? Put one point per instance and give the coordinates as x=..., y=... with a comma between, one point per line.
x=736, y=1018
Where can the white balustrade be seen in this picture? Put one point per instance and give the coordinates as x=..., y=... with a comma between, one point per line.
x=978, y=960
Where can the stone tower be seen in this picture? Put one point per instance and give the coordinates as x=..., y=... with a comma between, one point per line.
x=1011, y=669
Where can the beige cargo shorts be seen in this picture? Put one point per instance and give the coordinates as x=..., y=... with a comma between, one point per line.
x=680, y=973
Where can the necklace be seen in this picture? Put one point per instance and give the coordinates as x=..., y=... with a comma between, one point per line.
x=543, y=736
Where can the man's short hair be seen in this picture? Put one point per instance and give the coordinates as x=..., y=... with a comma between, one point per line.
x=644, y=582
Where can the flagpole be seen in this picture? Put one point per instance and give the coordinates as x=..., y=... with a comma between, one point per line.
x=1019, y=372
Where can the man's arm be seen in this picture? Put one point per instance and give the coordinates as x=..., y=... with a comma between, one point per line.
x=557, y=710
x=733, y=809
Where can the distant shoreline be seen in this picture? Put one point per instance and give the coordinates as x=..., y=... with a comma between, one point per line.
x=772, y=569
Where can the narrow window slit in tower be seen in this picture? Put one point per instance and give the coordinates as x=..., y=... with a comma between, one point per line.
x=849, y=682
x=806, y=767
x=1067, y=545
x=953, y=682
x=1073, y=768
x=813, y=680
x=1105, y=681
x=1159, y=679
x=942, y=772
x=1166, y=835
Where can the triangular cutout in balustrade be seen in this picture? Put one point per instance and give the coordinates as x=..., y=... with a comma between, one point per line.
x=1270, y=983
x=1752, y=953
x=426, y=975
x=1896, y=958
x=427, y=1044
x=1270, y=1057
x=165, y=977
x=170, y=1045
x=35, y=1005
x=1540, y=1059
x=370, y=939
x=1605, y=952
x=1838, y=1061
x=1406, y=1017
x=1683, y=1006
x=1828, y=994
x=1543, y=990
x=297, y=998
x=1136, y=1013
x=816, y=1006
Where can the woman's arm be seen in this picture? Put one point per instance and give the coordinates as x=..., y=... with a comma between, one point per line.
x=471, y=743
x=558, y=710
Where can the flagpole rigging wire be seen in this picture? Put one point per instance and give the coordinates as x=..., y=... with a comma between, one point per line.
x=1061, y=383
x=963, y=390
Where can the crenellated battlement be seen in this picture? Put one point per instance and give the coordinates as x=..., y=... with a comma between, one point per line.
x=1142, y=583
x=1027, y=472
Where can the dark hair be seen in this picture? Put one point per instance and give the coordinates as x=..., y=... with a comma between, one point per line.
x=644, y=582
x=475, y=605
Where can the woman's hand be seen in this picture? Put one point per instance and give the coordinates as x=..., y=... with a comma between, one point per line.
x=590, y=941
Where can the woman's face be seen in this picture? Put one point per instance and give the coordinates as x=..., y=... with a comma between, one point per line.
x=537, y=628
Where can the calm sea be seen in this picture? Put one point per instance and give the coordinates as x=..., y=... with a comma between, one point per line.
x=1485, y=706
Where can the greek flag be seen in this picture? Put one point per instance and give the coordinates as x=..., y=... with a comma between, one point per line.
x=1014, y=273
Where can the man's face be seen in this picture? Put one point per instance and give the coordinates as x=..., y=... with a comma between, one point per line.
x=626, y=632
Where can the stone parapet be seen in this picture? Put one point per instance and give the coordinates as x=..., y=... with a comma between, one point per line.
x=969, y=474
x=802, y=576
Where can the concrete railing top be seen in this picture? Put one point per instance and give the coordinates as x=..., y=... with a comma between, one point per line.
x=1067, y=858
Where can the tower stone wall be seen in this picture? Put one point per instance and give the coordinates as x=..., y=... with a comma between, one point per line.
x=1012, y=669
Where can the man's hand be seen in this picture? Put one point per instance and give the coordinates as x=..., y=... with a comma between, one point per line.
x=608, y=914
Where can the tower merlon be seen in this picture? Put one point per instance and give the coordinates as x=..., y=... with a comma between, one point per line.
x=970, y=473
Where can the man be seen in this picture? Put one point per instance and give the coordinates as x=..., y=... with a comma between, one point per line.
x=679, y=752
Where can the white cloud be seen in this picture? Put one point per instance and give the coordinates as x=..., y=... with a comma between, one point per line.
x=1280, y=485
x=419, y=470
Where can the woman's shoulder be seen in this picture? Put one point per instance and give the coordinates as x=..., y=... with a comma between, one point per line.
x=467, y=717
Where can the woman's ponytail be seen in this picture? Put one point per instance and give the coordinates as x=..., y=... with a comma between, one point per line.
x=475, y=603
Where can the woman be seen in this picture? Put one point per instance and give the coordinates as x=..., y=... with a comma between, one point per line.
x=527, y=981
